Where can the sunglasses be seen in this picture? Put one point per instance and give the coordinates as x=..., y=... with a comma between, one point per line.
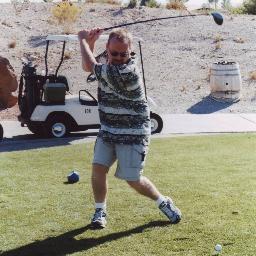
x=121, y=54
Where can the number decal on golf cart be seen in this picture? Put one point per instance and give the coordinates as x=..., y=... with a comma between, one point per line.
x=87, y=111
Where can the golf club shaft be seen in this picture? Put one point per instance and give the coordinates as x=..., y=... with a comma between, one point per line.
x=155, y=19
x=216, y=16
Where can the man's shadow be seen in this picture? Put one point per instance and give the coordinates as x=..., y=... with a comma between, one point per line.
x=31, y=141
x=67, y=244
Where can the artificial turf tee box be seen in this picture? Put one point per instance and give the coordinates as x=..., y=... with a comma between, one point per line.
x=212, y=179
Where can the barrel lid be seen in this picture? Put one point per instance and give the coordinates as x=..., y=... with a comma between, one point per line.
x=225, y=62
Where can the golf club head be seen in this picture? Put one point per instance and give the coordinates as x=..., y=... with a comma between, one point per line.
x=217, y=18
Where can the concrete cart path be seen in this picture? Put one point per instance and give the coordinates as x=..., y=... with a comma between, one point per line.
x=208, y=123
x=173, y=124
x=20, y=138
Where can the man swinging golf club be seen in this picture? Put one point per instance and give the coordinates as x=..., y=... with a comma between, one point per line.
x=125, y=123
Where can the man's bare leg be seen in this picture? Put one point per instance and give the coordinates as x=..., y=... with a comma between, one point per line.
x=145, y=187
x=99, y=182
x=100, y=189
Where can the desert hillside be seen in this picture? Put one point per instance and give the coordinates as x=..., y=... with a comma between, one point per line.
x=177, y=53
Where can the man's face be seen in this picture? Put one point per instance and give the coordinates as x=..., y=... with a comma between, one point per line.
x=118, y=52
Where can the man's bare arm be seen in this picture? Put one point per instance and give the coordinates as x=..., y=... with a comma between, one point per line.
x=88, y=60
x=87, y=41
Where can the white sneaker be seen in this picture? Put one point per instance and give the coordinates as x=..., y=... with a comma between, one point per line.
x=170, y=211
x=99, y=219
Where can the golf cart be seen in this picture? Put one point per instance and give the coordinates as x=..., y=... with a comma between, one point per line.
x=48, y=111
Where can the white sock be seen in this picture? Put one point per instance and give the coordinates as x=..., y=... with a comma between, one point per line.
x=101, y=205
x=160, y=199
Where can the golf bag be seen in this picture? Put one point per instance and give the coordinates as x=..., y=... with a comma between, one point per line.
x=31, y=89
x=1, y=132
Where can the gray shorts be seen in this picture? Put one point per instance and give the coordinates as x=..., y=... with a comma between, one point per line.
x=130, y=158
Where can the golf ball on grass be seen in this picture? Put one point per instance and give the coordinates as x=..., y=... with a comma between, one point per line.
x=73, y=177
x=218, y=248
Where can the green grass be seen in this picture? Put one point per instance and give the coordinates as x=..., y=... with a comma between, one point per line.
x=211, y=178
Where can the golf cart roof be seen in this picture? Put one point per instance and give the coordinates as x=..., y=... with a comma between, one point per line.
x=61, y=38
x=65, y=38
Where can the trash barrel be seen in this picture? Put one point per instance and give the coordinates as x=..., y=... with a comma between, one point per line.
x=225, y=81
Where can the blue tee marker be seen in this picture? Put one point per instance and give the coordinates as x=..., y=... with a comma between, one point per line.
x=73, y=177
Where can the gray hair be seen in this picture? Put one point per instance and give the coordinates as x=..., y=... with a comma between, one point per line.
x=121, y=35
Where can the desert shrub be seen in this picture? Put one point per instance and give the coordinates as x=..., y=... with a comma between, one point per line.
x=176, y=4
x=66, y=12
x=238, y=10
x=218, y=38
x=132, y=4
x=152, y=4
x=249, y=6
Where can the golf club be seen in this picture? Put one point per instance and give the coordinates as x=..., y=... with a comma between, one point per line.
x=36, y=41
x=216, y=16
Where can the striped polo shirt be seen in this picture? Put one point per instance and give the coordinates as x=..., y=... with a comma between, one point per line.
x=123, y=108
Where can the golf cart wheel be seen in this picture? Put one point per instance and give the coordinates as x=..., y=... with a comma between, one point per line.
x=1, y=132
x=156, y=123
x=57, y=127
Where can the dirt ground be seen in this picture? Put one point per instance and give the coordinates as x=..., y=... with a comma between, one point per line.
x=177, y=53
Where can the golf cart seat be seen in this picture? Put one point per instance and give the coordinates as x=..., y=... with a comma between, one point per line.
x=54, y=93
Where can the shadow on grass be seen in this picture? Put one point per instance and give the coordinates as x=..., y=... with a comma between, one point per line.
x=27, y=142
x=207, y=106
x=66, y=243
